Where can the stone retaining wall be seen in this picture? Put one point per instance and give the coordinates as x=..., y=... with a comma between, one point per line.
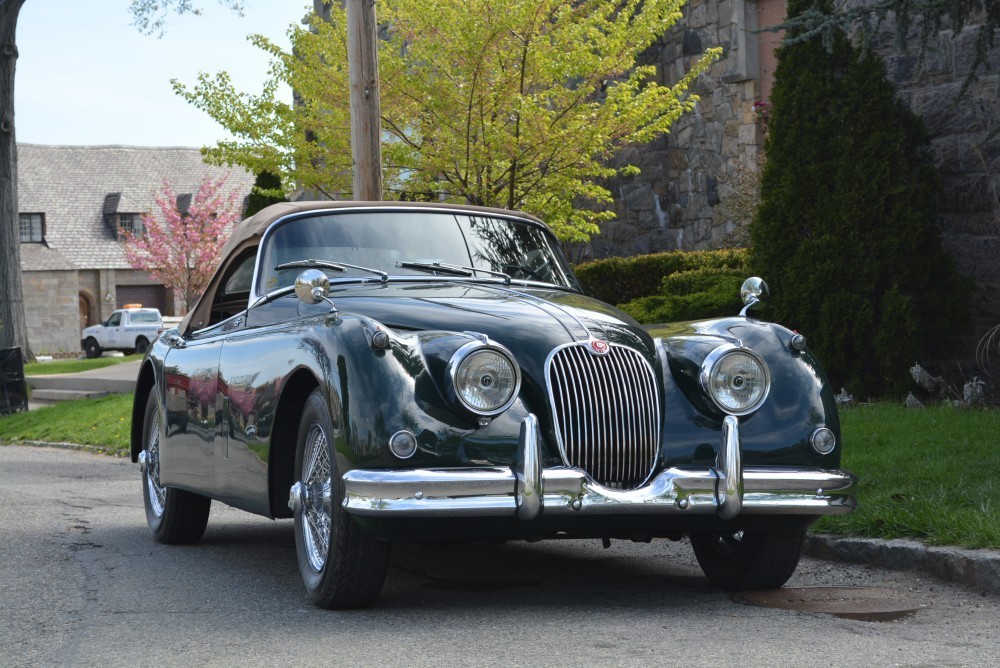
x=675, y=202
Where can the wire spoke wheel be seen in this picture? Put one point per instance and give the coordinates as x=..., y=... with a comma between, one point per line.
x=157, y=493
x=174, y=516
x=341, y=565
x=317, y=479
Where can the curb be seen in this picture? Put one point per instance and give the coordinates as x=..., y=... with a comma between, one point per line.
x=979, y=569
x=63, y=445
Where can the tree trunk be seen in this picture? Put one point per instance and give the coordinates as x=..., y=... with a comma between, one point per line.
x=362, y=63
x=13, y=328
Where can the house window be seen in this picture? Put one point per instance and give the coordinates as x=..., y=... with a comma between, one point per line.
x=32, y=227
x=130, y=223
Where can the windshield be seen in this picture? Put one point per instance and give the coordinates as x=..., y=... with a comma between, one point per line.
x=388, y=240
x=150, y=317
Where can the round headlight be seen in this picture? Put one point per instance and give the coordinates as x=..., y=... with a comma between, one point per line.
x=736, y=379
x=485, y=378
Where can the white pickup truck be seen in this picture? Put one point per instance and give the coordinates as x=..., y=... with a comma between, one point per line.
x=128, y=329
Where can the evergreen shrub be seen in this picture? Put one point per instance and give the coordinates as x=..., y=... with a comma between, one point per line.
x=267, y=190
x=846, y=234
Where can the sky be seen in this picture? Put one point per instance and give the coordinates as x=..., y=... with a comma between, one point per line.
x=86, y=77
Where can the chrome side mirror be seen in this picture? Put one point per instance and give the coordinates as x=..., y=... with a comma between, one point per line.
x=312, y=286
x=754, y=291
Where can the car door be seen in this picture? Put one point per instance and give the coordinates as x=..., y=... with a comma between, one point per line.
x=111, y=334
x=194, y=415
x=248, y=387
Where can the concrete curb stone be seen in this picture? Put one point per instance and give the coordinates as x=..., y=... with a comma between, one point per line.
x=979, y=569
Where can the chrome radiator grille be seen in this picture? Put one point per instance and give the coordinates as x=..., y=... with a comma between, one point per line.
x=607, y=413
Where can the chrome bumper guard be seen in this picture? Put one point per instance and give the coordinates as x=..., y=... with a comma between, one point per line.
x=526, y=489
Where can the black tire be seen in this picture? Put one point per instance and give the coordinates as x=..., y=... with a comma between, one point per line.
x=747, y=560
x=341, y=566
x=141, y=345
x=174, y=517
x=92, y=348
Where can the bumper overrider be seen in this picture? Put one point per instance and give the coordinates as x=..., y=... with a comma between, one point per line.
x=526, y=489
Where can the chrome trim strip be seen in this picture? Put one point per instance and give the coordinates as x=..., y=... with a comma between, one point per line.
x=730, y=470
x=493, y=492
x=528, y=471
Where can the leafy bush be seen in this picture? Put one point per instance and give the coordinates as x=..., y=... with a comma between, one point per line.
x=618, y=279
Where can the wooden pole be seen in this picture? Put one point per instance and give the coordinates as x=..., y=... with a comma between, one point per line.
x=362, y=63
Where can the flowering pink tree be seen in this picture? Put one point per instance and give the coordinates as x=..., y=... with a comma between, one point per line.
x=182, y=249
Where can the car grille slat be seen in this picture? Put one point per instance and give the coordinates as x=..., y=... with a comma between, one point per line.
x=607, y=414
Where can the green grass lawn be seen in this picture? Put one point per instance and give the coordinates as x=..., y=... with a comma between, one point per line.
x=74, y=366
x=104, y=423
x=931, y=474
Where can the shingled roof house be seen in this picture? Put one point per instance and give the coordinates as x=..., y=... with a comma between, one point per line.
x=72, y=201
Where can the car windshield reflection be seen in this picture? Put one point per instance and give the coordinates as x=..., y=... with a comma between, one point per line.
x=413, y=244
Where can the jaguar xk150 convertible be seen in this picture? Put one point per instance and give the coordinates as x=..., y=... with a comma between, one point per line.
x=407, y=372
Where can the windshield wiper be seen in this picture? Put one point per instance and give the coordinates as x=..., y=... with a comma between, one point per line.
x=454, y=270
x=335, y=266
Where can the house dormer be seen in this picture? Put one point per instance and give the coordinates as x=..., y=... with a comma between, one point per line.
x=121, y=223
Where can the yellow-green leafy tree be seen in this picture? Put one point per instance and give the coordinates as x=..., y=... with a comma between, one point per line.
x=512, y=103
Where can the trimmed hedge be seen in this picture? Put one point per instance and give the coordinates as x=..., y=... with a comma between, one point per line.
x=691, y=295
x=669, y=287
x=617, y=280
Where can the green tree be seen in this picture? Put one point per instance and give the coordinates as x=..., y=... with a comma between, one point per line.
x=267, y=190
x=846, y=233
x=514, y=104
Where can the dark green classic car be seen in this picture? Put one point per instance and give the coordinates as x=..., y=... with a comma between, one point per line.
x=431, y=372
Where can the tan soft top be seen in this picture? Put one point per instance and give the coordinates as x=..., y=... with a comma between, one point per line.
x=247, y=234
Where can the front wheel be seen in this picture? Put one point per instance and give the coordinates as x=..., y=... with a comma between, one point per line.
x=174, y=517
x=92, y=348
x=741, y=560
x=341, y=566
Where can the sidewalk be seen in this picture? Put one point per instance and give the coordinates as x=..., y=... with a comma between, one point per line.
x=114, y=379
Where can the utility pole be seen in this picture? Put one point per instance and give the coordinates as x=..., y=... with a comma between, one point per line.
x=362, y=63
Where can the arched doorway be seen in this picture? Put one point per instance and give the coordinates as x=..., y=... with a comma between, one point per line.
x=86, y=306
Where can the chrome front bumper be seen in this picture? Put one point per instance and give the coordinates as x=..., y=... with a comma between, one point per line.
x=526, y=489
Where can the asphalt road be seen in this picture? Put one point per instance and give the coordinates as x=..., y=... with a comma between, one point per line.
x=82, y=584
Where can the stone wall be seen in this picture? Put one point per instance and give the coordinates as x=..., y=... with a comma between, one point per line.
x=678, y=199
x=51, y=306
x=968, y=158
x=673, y=204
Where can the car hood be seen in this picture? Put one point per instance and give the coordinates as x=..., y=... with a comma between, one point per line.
x=519, y=318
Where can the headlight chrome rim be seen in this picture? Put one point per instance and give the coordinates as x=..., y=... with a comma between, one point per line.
x=710, y=367
x=466, y=355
